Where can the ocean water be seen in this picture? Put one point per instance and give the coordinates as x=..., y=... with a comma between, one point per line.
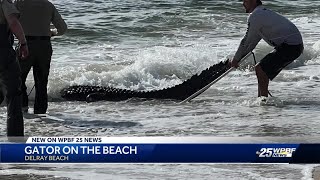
x=154, y=44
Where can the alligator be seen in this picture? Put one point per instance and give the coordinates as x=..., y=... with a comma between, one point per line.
x=177, y=92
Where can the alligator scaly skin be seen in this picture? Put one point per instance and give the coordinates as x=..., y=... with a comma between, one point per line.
x=178, y=92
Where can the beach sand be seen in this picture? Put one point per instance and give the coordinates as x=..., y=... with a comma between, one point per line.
x=316, y=173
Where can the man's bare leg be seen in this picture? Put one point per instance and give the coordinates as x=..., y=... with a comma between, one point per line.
x=263, y=81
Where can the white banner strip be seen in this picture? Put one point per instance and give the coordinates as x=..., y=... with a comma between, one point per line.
x=157, y=140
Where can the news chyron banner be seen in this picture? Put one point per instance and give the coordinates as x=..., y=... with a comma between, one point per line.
x=153, y=150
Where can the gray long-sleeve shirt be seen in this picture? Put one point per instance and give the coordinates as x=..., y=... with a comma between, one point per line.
x=37, y=15
x=274, y=28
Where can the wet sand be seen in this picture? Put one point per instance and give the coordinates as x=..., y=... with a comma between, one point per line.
x=316, y=173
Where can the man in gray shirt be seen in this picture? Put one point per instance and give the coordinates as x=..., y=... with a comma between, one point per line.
x=36, y=17
x=278, y=32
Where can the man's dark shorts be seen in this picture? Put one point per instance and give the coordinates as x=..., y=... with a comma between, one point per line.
x=283, y=55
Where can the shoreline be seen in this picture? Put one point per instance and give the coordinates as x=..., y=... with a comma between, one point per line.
x=316, y=173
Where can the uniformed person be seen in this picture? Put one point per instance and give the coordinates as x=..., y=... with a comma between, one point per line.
x=36, y=17
x=9, y=66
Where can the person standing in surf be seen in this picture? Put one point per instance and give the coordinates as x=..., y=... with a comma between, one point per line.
x=36, y=16
x=9, y=66
x=278, y=32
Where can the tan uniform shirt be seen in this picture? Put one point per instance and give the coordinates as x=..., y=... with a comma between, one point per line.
x=37, y=15
x=7, y=8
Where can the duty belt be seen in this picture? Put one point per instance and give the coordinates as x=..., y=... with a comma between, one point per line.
x=31, y=38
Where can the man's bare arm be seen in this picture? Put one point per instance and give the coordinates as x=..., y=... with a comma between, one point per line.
x=17, y=30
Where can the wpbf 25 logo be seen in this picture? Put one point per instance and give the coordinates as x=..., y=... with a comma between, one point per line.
x=276, y=152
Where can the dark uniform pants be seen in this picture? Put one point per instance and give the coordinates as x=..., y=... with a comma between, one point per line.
x=40, y=52
x=11, y=82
